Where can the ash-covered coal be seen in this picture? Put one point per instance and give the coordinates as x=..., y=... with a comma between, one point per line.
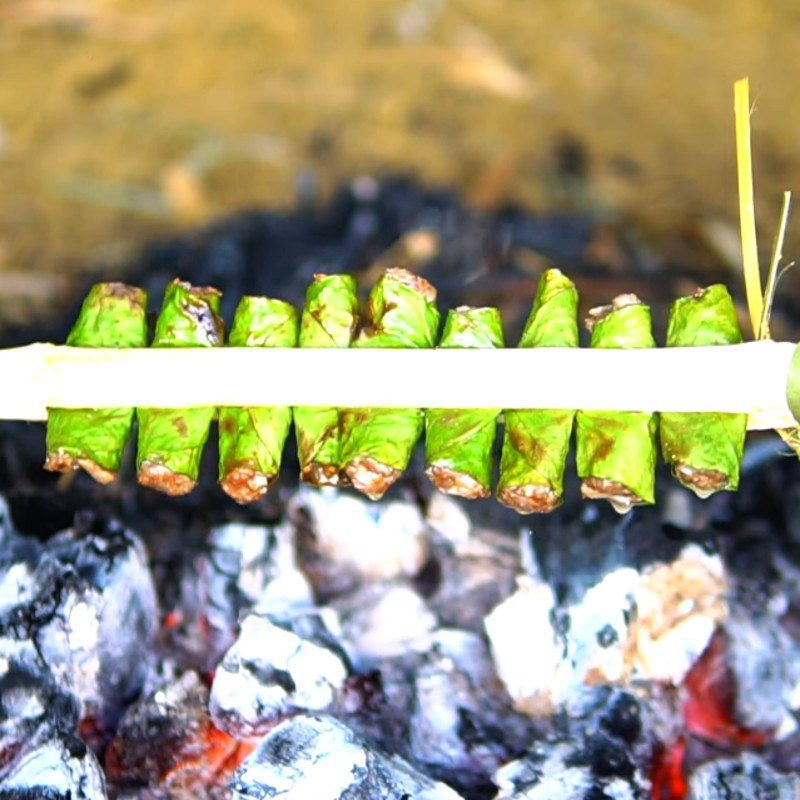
x=167, y=745
x=317, y=756
x=280, y=663
x=745, y=777
x=54, y=768
x=600, y=745
x=88, y=607
x=77, y=635
x=240, y=566
x=343, y=541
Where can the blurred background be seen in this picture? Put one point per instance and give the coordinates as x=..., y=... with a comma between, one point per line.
x=122, y=121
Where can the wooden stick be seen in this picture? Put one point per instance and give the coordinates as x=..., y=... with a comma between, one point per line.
x=747, y=378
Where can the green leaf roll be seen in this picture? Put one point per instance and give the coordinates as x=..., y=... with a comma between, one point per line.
x=377, y=443
x=171, y=440
x=458, y=442
x=329, y=319
x=112, y=315
x=251, y=439
x=536, y=442
x=704, y=450
x=616, y=450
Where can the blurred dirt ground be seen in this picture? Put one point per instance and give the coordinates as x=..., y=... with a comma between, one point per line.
x=125, y=119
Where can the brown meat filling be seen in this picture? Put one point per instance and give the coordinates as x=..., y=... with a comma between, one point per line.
x=457, y=483
x=159, y=477
x=530, y=499
x=371, y=477
x=245, y=484
x=620, y=496
x=704, y=481
x=61, y=462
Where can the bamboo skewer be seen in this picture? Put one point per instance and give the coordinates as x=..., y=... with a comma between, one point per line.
x=746, y=378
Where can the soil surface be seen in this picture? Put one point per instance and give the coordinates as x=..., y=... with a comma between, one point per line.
x=122, y=120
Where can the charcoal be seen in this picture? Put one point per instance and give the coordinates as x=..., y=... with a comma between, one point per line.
x=461, y=726
x=242, y=566
x=316, y=756
x=31, y=705
x=650, y=624
x=6, y=525
x=347, y=539
x=595, y=751
x=19, y=556
x=477, y=569
x=278, y=664
x=443, y=709
x=746, y=777
x=167, y=742
x=59, y=768
x=765, y=666
x=548, y=775
x=90, y=611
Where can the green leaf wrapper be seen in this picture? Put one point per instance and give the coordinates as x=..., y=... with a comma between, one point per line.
x=251, y=439
x=458, y=443
x=536, y=442
x=377, y=443
x=704, y=450
x=171, y=440
x=616, y=452
x=330, y=317
x=112, y=315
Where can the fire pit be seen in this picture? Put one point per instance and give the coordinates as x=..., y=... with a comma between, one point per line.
x=316, y=644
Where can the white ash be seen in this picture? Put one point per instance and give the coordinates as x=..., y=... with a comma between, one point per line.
x=550, y=777
x=91, y=614
x=286, y=591
x=598, y=627
x=679, y=605
x=652, y=624
x=278, y=664
x=384, y=620
x=528, y=651
x=373, y=541
x=242, y=562
x=745, y=777
x=319, y=757
x=58, y=768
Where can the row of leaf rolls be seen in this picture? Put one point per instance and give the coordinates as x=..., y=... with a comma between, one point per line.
x=370, y=448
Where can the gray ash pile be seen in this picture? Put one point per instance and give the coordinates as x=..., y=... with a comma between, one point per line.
x=316, y=644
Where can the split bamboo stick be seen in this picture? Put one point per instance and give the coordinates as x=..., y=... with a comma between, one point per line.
x=745, y=378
